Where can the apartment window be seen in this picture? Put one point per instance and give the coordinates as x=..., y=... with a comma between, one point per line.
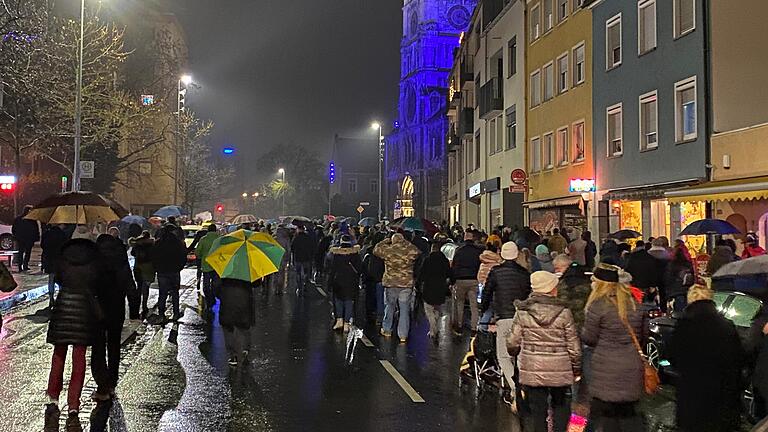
x=477, y=150
x=577, y=4
x=460, y=165
x=499, y=133
x=491, y=134
x=613, y=42
x=649, y=124
x=470, y=156
x=352, y=186
x=535, y=154
x=374, y=187
x=549, y=81
x=685, y=17
x=562, y=10
x=646, y=26
x=577, y=139
x=579, y=70
x=512, y=49
x=562, y=73
x=548, y=151
x=685, y=110
x=535, y=17
x=511, y=127
x=614, y=130
x=535, y=89
x=548, y=19
x=561, y=145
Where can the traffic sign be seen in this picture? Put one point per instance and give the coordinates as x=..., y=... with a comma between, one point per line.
x=518, y=176
x=87, y=169
x=366, y=203
x=360, y=209
x=515, y=188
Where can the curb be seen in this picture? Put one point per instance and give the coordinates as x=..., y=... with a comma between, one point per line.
x=24, y=296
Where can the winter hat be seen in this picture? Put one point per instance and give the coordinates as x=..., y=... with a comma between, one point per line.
x=542, y=250
x=509, y=251
x=606, y=273
x=543, y=282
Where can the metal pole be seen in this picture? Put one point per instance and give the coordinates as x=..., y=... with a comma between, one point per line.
x=380, y=156
x=79, y=102
x=283, y=192
x=176, y=145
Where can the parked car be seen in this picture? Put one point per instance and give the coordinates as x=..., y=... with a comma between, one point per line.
x=739, y=306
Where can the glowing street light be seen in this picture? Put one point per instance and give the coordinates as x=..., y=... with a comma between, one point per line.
x=186, y=79
x=377, y=126
x=281, y=171
x=245, y=195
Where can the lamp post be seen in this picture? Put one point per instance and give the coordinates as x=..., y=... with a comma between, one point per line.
x=181, y=99
x=377, y=125
x=281, y=171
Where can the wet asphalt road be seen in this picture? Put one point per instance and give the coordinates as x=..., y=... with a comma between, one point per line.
x=176, y=378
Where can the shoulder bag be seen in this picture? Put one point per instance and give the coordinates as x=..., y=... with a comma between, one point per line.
x=651, y=379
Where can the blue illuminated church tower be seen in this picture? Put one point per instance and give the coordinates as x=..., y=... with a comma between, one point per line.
x=416, y=149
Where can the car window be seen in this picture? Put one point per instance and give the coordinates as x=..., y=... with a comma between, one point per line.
x=719, y=299
x=191, y=234
x=743, y=310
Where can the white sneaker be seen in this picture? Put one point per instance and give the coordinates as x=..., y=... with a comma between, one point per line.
x=339, y=324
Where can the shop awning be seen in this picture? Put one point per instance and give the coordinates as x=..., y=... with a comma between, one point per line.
x=726, y=190
x=560, y=202
x=639, y=193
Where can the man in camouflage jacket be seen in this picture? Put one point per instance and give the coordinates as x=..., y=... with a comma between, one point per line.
x=399, y=256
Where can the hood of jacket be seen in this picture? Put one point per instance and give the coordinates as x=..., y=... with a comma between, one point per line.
x=338, y=250
x=79, y=252
x=543, y=309
x=488, y=257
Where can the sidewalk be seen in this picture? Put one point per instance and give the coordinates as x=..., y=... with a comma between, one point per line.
x=32, y=285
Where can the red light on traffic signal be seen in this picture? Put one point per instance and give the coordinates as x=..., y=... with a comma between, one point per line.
x=219, y=208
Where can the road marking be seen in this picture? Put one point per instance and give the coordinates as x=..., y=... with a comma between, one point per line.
x=367, y=342
x=400, y=380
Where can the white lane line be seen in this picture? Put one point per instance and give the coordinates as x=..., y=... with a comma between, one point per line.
x=413, y=394
x=367, y=342
x=320, y=290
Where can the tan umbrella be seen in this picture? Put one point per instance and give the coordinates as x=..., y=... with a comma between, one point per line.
x=80, y=208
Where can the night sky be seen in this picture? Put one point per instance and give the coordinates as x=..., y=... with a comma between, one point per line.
x=292, y=71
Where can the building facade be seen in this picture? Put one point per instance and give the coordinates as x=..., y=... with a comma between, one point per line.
x=353, y=176
x=487, y=118
x=415, y=159
x=651, y=135
x=559, y=114
x=738, y=190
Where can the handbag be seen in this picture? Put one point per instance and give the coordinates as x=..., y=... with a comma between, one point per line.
x=651, y=379
x=7, y=283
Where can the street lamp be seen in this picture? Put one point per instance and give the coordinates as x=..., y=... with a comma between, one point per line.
x=245, y=195
x=281, y=171
x=181, y=101
x=375, y=126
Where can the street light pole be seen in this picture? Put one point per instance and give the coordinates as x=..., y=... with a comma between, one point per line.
x=281, y=171
x=181, y=98
x=380, y=158
x=79, y=102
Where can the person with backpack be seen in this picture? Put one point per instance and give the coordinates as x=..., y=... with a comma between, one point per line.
x=433, y=286
x=169, y=256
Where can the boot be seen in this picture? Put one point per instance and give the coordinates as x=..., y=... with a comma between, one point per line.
x=52, y=415
x=339, y=324
x=73, y=423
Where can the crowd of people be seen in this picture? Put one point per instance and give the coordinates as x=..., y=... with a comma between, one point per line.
x=570, y=320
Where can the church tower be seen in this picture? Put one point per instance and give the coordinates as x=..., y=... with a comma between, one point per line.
x=416, y=149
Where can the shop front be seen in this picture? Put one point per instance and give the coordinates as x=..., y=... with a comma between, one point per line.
x=569, y=213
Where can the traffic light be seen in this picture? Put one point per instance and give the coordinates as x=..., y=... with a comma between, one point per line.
x=7, y=183
x=219, y=208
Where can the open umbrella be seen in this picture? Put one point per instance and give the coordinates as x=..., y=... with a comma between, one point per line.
x=414, y=224
x=368, y=222
x=168, y=211
x=74, y=208
x=245, y=255
x=625, y=234
x=134, y=219
x=746, y=267
x=710, y=226
x=244, y=218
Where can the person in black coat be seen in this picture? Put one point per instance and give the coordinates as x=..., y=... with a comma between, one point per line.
x=26, y=232
x=169, y=256
x=237, y=314
x=705, y=349
x=344, y=281
x=51, y=243
x=303, y=250
x=678, y=277
x=373, y=273
x=645, y=271
x=465, y=265
x=433, y=285
x=74, y=322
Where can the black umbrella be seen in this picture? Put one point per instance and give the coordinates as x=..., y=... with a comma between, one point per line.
x=710, y=226
x=626, y=234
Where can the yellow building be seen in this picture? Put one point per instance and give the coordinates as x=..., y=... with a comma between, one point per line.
x=559, y=113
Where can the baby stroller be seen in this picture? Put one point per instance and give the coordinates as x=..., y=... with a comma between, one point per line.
x=480, y=365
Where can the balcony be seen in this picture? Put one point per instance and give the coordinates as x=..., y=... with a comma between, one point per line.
x=453, y=141
x=491, y=99
x=492, y=9
x=466, y=71
x=466, y=123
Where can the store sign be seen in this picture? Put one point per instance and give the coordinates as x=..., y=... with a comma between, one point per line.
x=491, y=185
x=475, y=190
x=518, y=176
x=582, y=185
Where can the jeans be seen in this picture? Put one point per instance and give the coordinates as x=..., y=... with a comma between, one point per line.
x=433, y=313
x=506, y=361
x=538, y=399
x=209, y=279
x=237, y=340
x=303, y=272
x=465, y=290
x=168, y=283
x=398, y=298
x=76, y=380
x=105, y=357
x=51, y=289
x=25, y=253
x=345, y=309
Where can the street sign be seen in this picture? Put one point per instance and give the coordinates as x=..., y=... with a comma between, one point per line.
x=518, y=176
x=517, y=188
x=87, y=169
x=360, y=209
x=366, y=203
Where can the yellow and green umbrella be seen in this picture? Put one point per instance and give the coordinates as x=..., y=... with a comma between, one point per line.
x=245, y=255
